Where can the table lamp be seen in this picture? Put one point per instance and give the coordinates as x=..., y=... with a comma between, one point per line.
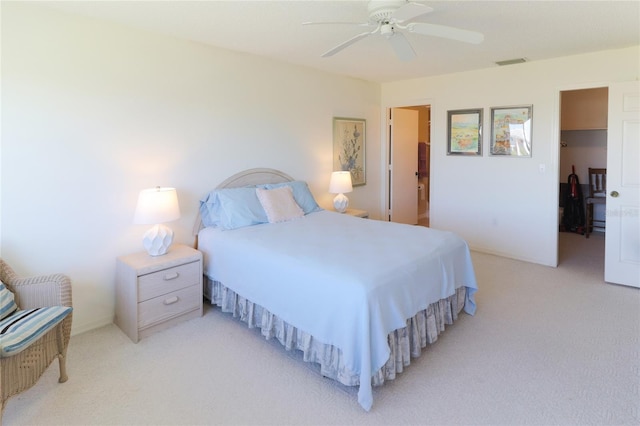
x=340, y=184
x=156, y=206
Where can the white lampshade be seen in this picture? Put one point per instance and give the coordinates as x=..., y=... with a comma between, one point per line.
x=155, y=206
x=340, y=184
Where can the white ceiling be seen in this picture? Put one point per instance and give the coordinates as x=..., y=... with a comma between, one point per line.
x=534, y=30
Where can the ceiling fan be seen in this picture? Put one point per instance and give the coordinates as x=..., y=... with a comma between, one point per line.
x=390, y=18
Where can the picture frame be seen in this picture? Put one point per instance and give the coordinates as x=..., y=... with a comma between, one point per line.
x=511, y=128
x=349, y=148
x=464, y=135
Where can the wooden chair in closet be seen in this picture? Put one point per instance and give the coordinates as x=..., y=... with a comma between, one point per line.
x=597, y=195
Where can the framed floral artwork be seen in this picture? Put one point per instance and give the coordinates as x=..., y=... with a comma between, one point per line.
x=465, y=132
x=349, y=147
x=511, y=131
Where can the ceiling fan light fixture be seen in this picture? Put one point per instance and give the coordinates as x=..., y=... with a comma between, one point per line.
x=387, y=30
x=511, y=61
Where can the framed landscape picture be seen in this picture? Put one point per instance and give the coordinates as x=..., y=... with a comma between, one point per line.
x=464, y=132
x=511, y=131
x=349, y=148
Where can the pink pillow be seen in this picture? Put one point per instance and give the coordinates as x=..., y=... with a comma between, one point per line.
x=279, y=204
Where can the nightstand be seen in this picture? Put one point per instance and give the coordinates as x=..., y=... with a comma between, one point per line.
x=155, y=292
x=358, y=213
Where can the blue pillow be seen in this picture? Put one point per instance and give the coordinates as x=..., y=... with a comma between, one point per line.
x=208, y=210
x=232, y=208
x=301, y=194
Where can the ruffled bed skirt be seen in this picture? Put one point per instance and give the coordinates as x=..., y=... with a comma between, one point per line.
x=405, y=343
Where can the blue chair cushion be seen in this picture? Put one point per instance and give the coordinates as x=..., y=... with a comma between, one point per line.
x=23, y=327
x=7, y=302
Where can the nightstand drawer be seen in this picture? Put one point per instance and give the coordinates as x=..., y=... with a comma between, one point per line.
x=168, y=280
x=169, y=305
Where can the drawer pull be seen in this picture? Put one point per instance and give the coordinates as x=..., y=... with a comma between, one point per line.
x=169, y=277
x=171, y=300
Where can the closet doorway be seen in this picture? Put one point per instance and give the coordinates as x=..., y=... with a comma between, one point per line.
x=583, y=145
x=409, y=148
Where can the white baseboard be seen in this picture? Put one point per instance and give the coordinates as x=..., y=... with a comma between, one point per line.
x=83, y=328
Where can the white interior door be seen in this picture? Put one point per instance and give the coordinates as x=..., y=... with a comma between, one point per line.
x=622, y=237
x=404, y=166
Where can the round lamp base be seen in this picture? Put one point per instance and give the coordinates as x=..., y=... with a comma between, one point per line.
x=157, y=240
x=340, y=203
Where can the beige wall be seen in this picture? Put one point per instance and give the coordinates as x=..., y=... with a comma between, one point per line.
x=506, y=206
x=93, y=112
x=582, y=149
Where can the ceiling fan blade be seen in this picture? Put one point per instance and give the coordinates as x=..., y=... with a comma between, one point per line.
x=402, y=47
x=410, y=11
x=359, y=24
x=446, y=32
x=346, y=44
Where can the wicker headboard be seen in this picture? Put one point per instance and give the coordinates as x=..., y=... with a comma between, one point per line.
x=248, y=177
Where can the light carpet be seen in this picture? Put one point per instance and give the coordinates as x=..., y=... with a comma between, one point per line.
x=547, y=346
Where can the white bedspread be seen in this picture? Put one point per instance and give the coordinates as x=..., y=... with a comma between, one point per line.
x=347, y=281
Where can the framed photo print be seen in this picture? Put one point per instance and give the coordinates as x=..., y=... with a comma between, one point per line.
x=511, y=131
x=464, y=132
x=349, y=147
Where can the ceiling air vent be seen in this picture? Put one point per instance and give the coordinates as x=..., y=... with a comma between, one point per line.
x=512, y=61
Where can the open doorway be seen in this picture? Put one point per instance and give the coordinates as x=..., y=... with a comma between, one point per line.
x=409, y=164
x=583, y=145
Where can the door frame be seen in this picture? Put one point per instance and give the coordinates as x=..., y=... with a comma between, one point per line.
x=386, y=147
x=556, y=153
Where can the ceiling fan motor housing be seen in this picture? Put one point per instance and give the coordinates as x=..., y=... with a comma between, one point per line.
x=381, y=10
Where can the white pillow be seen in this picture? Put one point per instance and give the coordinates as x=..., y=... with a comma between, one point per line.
x=279, y=204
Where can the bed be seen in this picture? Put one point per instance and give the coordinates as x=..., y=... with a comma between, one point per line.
x=358, y=297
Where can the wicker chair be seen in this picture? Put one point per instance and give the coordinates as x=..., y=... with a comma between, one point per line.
x=22, y=370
